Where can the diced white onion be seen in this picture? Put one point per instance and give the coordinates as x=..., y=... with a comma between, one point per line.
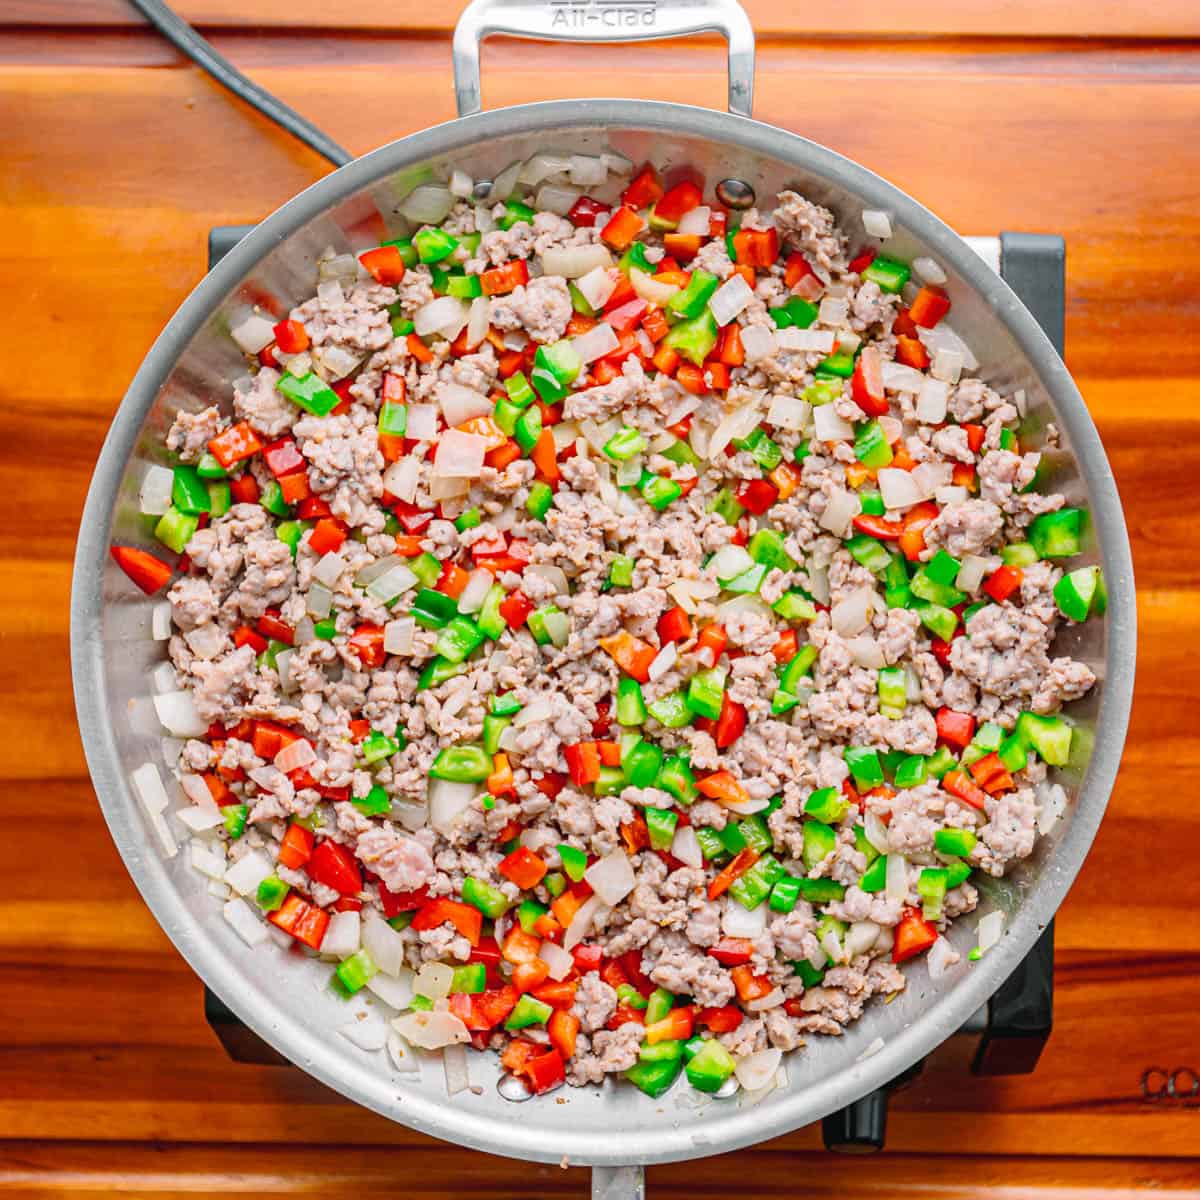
x=828, y=426
x=876, y=831
x=319, y=601
x=484, y=221
x=479, y=583
x=555, y=198
x=745, y=808
x=663, y=661
x=737, y=921
x=897, y=488
x=990, y=930
x=927, y=477
x=866, y=652
x=898, y=377
x=947, y=365
x=434, y=980
x=458, y=1072
x=842, y=508
x=447, y=801
x=832, y=946
x=554, y=575
x=395, y=583
x=401, y=478
x=629, y=471
x=445, y=315
x=248, y=872
x=696, y=221
x=427, y=204
x=833, y=310
x=685, y=846
x=160, y=621
x=860, y=937
x=558, y=626
x=542, y=166
x=163, y=677
x=533, y=712
x=773, y=999
x=431, y=1030
x=596, y=342
x=730, y=561
x=1052, y=805
x=369, y=1032
x=788, y=412
x=611, y=878
x=872, y=1049
x=616, y=163
x=396, y=992
x=928, y=271
x=736, y=424
x=245, y=924
x=576, y=262
x=557, y=959
x=206, y=857
x=461, y=184
x=730, y=608
x=478, y=315
x=896, y=877
x=581, y=922
x=730, y=299
x=295, y=755
x=459, y=455
x=877, y=223
x=329, y=568
x=597, y=286
x=337, y=363
x=758, y=342
x=505, y=182
x=941, y=957
x=383, y=943
x=931, y=401
x=154, y=495
x=206, y=642
x=970, y=574
x=942, y=337
x=651, y=290
x=460, y=403
x=253, y=334
x=400, y=1053
x=852, y=614
x=342, y=935
x=586, y=170
x=756, y=1070
x=329, y=291
x=686, y=592
x=815, y=341
x=178, y=714
x=422, y=422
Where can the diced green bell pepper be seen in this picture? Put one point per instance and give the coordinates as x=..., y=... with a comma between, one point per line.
x=892, y=684
x=493, y=728
x=710, y=1066
x=462, y=764
x=458, y=638
x=518, y=389
x=875, y=876
x=784, y=894
x=234, y=816
x=827, y=805
x=658, y=491
x=491, y=623
x=795, y=606
x=864, y=766
x=706, y=693
x=555, y=368
x=819, y=841
x=937, y=618
x=912, y=772
x=658, y=1004
x=656, y=1077
x=766, y=547
x=480, y=894
x=529, y=1011
x=353, y=972
x=310, y=392
x=676, y=778
x=631, y=705
x=754, y=886
x=374, y=804
x=528, y=428
x=819, y=891
x=220, y=497
x=931, y=887
x=208, y=467
x=1049, y=736
x=529, y=912
x=469, y=979
x=959, y=842
x=690, y=301
x=514, y=213
x=671, y=710
x=642, y=763
x=871, y=446
x=188, y=492
x=175, y=529
x=694, y=339
x=1077, y=592
x=1058, y=534
x=839, y=365
x=574, y=861
x=434, y=245
x=868, y=552
x=271, y=893
x=1018, y=554
x=711, y=845
x=891, y=276
x=625, y=443
x=940, y=761
x=541, y=497
x=611, y=782
x=470, y=519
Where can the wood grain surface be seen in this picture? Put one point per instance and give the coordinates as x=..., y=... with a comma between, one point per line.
x=116, y=157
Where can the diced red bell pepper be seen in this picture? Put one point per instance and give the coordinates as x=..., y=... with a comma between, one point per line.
x=342, y=389
x=395, y=903
x=558, y=993
x=912, y=539
x=631, y=654
x=327, y=536
x=626, y=1014
x=742, y=862
x=721, y=1020
x=544, y=456
x=677, y=1025
x=674, y=626
x=757, y=496
x=149, y=573
x=644, y=189
x=367, y=642
x=676, y=201
x=631, y=966
x=523, y=867
x=975, y=435
x=796, y=268
x=626, y=316
x=960, y=785
x=716, y=376
x=903, y=325
x=520, y=947
x=296, y=847
x=721, y=785
x=732, y=951
x=334, y=866
x=729, y=346
x=691, y=378
x=583, y=763
x=244, y=489
x=515, y=609
x=486, y=952
x=294, y=488
x=268, y=738
x=587, y=958
x=528, y=975
x=563, y=1028
x=756, y=247
x=992, y=775
x=313, y=509
x=291, y=337
x=622, y=227
x=862, y=260
x=877, y=527
x=467, y=919
x=499, y=281
x=787, y=647
x=1003, y=582
x=304, y=921
x=866, y=384
x=750, y=986
x=956, y=729
x=385, y=264
x=234, y=444
x=913, y=935
x=544, y=1072
x=270, y=626
x=929, y=306
x=586, y=211
x=911, y=352
x=731, y=724
x=711, y=643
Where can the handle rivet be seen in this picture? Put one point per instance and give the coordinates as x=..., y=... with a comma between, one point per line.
x=482, y=189
x=735, y=193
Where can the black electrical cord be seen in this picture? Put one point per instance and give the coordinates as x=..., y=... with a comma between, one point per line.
x=183, y=37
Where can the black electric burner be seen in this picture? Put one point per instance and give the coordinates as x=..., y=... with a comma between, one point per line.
x=1014, y=1025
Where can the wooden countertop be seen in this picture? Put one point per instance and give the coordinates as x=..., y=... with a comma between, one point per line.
x=116, y=158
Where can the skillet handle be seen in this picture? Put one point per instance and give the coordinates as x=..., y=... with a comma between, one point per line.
x=603, y=21
x=618, y=1183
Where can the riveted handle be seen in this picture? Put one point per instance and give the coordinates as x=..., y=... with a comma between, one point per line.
x=603, y=21
x=618, y=1183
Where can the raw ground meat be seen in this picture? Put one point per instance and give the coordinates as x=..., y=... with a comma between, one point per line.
x=314, y=643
